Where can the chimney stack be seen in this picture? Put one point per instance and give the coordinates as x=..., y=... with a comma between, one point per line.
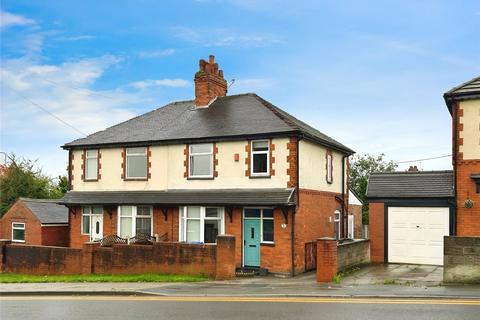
x=413, y=169
x=209, y=82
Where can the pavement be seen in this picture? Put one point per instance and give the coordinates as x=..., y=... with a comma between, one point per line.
x=412, y=281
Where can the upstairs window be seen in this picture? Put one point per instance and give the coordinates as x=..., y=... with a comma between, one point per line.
x=201, y=160
x=136, y=163
x=329, y=176
x=18, y=232
x=260, y=160
x=91, y=164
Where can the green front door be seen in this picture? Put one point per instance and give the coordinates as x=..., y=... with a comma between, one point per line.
x=251, y=242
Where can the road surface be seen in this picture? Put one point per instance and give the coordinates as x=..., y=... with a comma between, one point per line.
x=211, y=308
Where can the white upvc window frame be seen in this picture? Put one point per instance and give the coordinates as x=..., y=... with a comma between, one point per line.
x=134, y=219
x=89, y=215
x=329, y=175
x=337, y=215
x=261, y=218
x=87, y=157
x=182, y=226
x=192, y=154
x=252, y=153
x=145, y=154
x=18, y=228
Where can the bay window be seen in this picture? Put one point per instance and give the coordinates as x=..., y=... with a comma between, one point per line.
x=201, y=224
x=91, y=164
x=136, y=167
x=134, y=220
x=201, y=160
x=260, y=158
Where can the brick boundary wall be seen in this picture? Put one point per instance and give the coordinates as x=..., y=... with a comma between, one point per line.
x=461, y=260
x=333, y=257
x=164, y=257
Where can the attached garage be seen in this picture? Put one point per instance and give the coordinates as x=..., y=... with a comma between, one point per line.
x=410, y=213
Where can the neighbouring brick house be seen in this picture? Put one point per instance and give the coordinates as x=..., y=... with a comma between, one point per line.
x=36, y=222
x=411, y=212
x=218, y=164
x=463, y=102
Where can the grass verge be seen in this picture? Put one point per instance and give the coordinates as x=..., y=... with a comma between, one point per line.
x=145, y=277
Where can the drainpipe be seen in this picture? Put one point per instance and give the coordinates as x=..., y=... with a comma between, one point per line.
x=341, y=200
x=292, y=234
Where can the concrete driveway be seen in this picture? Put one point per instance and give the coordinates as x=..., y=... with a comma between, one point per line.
x=412, y=274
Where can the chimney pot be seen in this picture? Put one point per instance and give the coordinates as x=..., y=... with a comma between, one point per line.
x=209, y=82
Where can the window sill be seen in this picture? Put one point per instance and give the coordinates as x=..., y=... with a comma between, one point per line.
x=18, y=241
x=90, y=180
x=267, y=244
x=200, y=178
x=135, y=179
x=260, y=176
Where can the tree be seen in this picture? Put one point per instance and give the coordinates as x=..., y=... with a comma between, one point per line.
x=21, y=178
x=360, y=169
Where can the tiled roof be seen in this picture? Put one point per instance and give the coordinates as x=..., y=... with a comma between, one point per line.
x=280, y=197
x=422, y=184
x=467, y=90
x=243, y=115
x=47, y=210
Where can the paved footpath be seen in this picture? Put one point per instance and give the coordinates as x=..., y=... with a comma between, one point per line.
x=301, y=286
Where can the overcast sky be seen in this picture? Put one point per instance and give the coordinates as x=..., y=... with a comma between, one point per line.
x=371, y=74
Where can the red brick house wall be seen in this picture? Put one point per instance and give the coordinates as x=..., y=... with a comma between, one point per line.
x=356, y=211
x=313, y=219
x=377, y=231
x=55, y=236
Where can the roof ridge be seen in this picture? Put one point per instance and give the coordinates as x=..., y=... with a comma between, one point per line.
x=412, y=172
x=461, y=85
x=37, y=200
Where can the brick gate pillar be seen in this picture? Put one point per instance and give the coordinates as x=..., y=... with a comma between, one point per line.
x=326, y=259
x=88, y=250
x=225, y=261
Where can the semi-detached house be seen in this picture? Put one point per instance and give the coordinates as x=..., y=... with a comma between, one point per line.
x=218, y=164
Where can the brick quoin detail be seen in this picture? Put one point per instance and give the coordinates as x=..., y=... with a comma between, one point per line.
x=185, y=162
x=215, y=160
x=272, y=158
x=70, y=169
x=292, y=162
x=247, y=159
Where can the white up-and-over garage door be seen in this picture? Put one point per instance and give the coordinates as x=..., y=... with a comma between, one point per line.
x=415, y=234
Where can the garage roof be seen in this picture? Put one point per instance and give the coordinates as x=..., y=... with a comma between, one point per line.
x=47, y=210
x=267, y=197
x=421, y=184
